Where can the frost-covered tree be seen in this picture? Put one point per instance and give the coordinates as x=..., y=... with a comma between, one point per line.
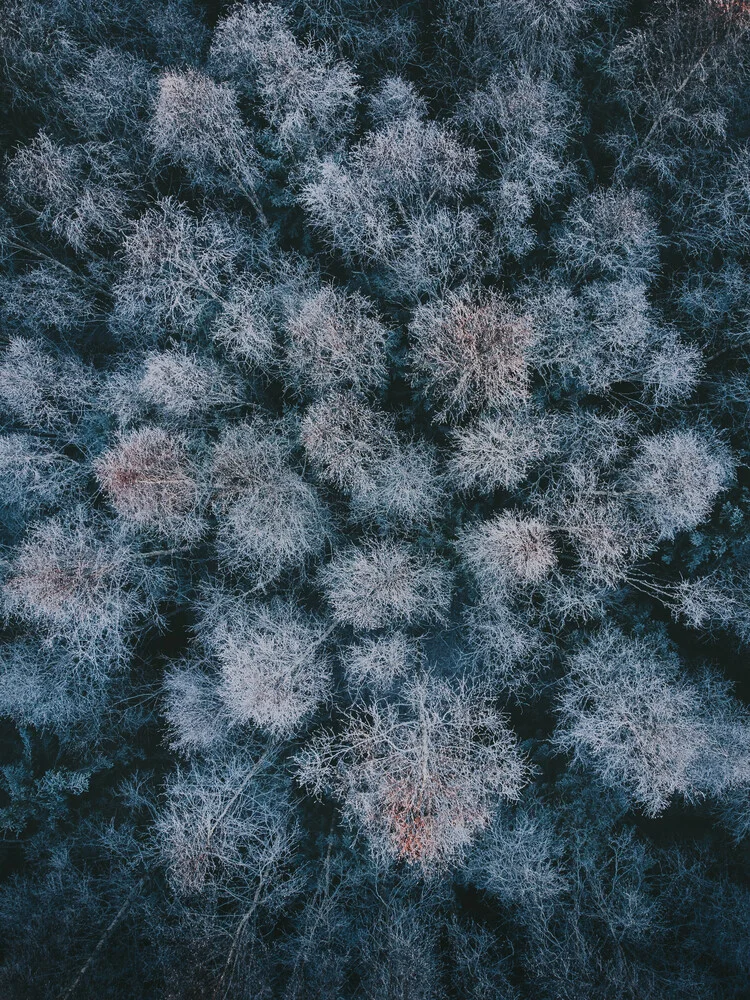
x=84, y=585
x=176, y=267
x=394, y=205
x=526, y=122
x=609, y=335
x=345, y=438
x=43, y=389
x=152, y=483
x=609, y=233
x=197, y=123
x=676, y=477
x=79, y=193
x=500, y=450
x=224, y=823
x=421, y=774
x=627, y=711
x=35, y=475
x=335, y=341
x=306, y=95
x=508, y=551
x=469, y=353
x=270, y=519
x=378, y=662
x=274, y=672
x=385, y=583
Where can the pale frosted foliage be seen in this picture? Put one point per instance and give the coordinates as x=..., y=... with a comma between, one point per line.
x=715, y=601
x=82, y=585
x=606, y=537
x=673, y=373
x=542, y=32
x=243, y=326
x=274, y=673
x=33, y=473
x=150, y=481
x=410, y=162
x=248, y=454
x=335, y=341
x=609, y=233
x=197, y=123
x=609, y=334
x=270, y=519
x=274, y=527
x=469, y=352
x=385, y=583
x=508, y=551
x=392, y=203
x=42, y=389
x=223, y=822
x=48, y=296
x=193, y=709
x=71, y=190
x=500, y=450
x=526, y=121
x=506, y=644
x=420, y=774
x=592, y=443
x=176, y=265
x=52, y=689
x=381, y=661
x=396, y=99
x=519, y=859
x=110, y=95
x=344, y=438
x=184, y=385
x=307, y=96
x=628, y=711
x=405, y=489
x=676, y=478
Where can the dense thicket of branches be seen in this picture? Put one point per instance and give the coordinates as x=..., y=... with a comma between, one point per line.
x=374, y=436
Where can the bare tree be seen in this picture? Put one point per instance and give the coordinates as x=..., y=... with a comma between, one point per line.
x=197, y=123
x=224, y=824
x=609, y=233
x=270, y=520
x=469, y=353
x=501, y=449
x=151, y=482
x=43, y=389
x=385, y=583
x=176, y=266
x=274, y=672
x=627, y=711
x=507, y=552
x=305, y=93
x=394, y=205
x=79, y=193
x=336, y=341
x=82, y=585
x=676, y=477
x=420, y=775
